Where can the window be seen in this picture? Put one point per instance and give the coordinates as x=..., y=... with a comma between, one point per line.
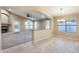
x=16, y=27
x=36, y=25
x=71, y=25
x=67, y=25
x=29, y=24
x=47, y=26
x=61, y=25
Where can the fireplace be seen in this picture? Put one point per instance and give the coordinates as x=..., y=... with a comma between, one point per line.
x=4, y=28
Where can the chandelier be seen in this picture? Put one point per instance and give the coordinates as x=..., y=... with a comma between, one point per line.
x=60, y=14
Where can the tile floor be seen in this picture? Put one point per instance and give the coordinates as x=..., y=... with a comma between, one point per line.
x=52, y=45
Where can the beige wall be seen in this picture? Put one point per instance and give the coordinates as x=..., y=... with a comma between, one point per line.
x=66, y=34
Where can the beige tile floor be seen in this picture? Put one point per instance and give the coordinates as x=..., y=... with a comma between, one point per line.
x=52, y=45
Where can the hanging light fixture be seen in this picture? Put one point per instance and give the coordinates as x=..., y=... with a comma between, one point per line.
x=61, y=15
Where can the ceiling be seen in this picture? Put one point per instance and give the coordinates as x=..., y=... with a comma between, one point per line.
x=51, y=10
x=55, y=10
